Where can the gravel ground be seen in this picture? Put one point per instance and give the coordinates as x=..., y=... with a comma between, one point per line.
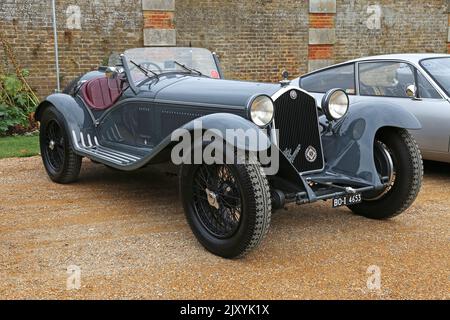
x=127, y=233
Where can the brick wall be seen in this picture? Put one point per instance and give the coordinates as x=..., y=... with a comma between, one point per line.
x=258, y=39
x=448, y=39
x=89, y=31
x=158, y=20
x=405, y=26
x=255, y=39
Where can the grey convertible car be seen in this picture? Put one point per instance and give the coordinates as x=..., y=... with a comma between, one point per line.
x=419, y=83
x=126, y=117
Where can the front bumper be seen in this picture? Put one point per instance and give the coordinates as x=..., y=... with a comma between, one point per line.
x=327, y=186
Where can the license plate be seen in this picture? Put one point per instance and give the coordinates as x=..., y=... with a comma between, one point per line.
x=347, y=200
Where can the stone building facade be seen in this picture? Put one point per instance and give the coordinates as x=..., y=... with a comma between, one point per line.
x=256, y=39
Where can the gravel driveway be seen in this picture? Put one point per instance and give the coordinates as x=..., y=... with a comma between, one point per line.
x=127, y=234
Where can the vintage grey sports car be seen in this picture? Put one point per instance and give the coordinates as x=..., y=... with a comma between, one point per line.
x=419, y=83
x=125, y=117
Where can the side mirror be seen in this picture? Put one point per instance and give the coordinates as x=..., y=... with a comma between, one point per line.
x=411, y=91
x=111, y=72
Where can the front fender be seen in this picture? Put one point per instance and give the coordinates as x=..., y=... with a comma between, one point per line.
x=224, y=122
x=348, y=149
x=217, y=122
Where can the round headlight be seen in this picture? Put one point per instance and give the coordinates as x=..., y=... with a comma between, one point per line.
x=335, y=104
x=261, y=111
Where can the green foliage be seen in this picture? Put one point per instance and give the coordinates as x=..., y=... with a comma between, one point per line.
x=19, y=146
x=11, y=116
x=17, y=102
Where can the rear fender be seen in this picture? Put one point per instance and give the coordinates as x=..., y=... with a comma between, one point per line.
x=349, y=149
x=76, y=116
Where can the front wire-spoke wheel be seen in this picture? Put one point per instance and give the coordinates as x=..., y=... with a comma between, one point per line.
x=228, y=207
x=398, y=161
x=217, y=200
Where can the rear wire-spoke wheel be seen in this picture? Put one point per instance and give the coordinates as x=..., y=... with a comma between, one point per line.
x=228, y=207
x=60, y=162
x=54, y=146
x=398, y=161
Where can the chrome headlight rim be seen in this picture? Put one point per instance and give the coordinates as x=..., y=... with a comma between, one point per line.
x=262, y=122
x=335, y=104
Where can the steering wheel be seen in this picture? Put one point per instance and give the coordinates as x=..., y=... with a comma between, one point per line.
x=148, y=65
x=367, y=90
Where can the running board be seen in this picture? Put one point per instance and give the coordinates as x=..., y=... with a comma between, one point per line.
x=90, y=147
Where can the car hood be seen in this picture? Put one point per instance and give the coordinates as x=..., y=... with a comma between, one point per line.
x=219, y=92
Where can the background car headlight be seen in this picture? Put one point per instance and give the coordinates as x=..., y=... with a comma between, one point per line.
x=335, y=104
x=261, y=111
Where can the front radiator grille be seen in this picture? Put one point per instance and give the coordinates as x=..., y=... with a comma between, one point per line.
x=299, y=136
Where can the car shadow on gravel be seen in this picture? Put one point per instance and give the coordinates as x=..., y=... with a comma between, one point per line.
x=150, y=188
x=158, y=186
x=151, y=175
x=151, y=183
x=433, y=168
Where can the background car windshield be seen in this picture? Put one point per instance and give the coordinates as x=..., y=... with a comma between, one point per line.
x=161, y=60
x=439, y=69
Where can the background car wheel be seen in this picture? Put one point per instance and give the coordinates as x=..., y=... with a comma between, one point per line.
x=60, y=162
x=400, y=148
x=228, y=207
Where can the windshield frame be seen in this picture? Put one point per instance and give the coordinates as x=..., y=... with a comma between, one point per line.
x=437, y=84
x=127, y=56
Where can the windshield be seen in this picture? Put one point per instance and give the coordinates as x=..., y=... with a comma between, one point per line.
x=158, y=61
x=439, y=70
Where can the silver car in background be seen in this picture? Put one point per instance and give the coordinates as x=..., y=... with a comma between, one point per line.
x=420, y=83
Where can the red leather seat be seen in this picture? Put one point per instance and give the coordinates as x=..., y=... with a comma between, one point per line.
x=101, y=93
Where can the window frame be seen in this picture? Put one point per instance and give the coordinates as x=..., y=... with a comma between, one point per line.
x=329, y=69
x=414, y=72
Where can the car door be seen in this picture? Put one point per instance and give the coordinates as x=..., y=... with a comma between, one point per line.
x=130, y=123
x=388, y=81
x=433, y=111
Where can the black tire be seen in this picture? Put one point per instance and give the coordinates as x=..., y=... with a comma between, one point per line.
x=406, y=182
x=254, y=202
x=60, y=162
